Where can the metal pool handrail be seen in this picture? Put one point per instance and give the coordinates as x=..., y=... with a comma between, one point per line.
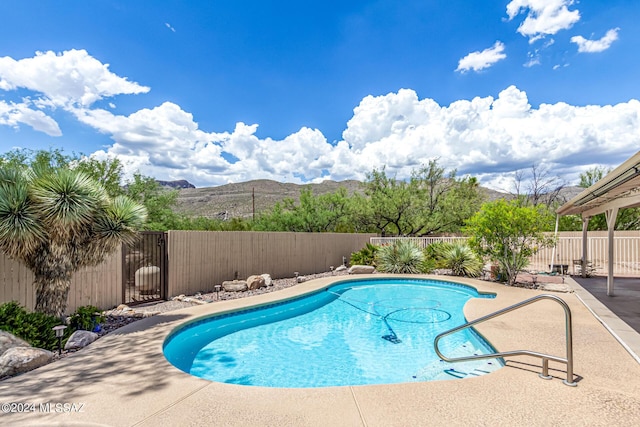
x=545, y=357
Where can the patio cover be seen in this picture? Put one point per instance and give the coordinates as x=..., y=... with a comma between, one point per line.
x=619, y=189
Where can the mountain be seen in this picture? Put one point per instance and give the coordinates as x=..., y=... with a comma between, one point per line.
x=237, y=200
x=182, y=183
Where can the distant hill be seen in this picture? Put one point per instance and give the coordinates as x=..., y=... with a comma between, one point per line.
x=183, y=183
x=236, y=200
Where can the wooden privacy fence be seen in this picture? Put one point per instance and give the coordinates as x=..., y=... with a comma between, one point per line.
x=100, y=286
x=568, y=248
x=200, y=259
x=197, y=260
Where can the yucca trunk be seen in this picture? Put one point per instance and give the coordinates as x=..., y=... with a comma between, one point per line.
x=51, y=295
x=59, y=222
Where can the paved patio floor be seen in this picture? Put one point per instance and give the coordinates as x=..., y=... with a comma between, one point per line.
x=124, y=380
x=625, y=302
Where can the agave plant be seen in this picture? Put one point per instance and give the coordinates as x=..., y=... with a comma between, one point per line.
x=403, y=256
x=58, y=221
x=462, y=261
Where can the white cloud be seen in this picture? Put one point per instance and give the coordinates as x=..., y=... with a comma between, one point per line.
x=487, y=137
x=533, y=59
x=544, y=17
x=12, y=114
x=166, y=142
x=70, y=78
x=477, y=61
x=166, y=24
x=592, y=46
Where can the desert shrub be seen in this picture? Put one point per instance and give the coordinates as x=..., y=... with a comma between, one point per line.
x=403, y=256
x=365, y=256
x=462, y=260
x=86, y=318
x=436, y=252
x=35, y=328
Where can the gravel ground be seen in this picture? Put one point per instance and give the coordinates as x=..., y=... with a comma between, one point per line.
x=116, y=319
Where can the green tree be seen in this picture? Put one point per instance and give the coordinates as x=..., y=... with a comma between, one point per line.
x=107, y=172
x=593, y=175
x=58, y=221
x=389, y=204
x=312, y=214
x=430, y=201
x=508, y=233
x=157, y=200
x=445, y=200
x=628, y=218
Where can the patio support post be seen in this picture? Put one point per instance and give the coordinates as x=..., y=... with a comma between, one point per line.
x=612, y=214
x=585, y=246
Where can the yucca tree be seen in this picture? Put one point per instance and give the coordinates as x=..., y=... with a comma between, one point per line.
x=58, y=221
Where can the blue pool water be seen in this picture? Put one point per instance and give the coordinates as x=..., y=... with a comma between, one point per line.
x=375, y=331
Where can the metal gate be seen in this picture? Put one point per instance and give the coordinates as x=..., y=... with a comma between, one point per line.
x=144, y=269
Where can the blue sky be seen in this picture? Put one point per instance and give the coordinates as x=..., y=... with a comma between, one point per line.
x=227, y=91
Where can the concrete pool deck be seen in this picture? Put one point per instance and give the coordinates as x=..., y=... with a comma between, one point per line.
x=123, y=379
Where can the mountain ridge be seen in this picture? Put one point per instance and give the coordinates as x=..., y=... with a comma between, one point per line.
x=237, y=200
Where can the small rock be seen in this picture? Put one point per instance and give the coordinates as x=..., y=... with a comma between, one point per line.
x=80, y=339
x=361, y=269
x=122, y=307
x=149, y=313
x=301, y=279
x=8, y=341
x=555, y=287
x=234, y=285
x=23, y=359
x=267, y=279
x=255, y=282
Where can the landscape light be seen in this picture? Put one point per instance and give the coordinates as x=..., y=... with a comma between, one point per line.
x=59, y=330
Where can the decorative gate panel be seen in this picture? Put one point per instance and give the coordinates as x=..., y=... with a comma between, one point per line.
x=145, y=266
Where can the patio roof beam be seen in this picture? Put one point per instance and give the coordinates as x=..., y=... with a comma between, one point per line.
x=623, y=202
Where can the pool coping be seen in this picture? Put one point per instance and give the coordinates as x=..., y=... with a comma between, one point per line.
x=123, y=379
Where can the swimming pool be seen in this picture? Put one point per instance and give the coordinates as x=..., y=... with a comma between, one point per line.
x=372, y=331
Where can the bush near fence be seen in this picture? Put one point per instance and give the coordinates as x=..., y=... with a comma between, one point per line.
x=568, y=248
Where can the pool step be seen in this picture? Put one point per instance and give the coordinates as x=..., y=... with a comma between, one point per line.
x=441, y=370
x=460, y=374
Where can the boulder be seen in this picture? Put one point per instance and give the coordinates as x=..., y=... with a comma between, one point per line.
x=17, y=360
x=234, y=285
x=255, y=282
x=147, y=280
x=341, y=268
x=8, y=341
x=361, y=269
x=80, y=339
x=267, y=279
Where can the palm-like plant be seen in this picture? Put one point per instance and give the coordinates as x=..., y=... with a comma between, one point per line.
x=402, y=256
x=58, y=221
